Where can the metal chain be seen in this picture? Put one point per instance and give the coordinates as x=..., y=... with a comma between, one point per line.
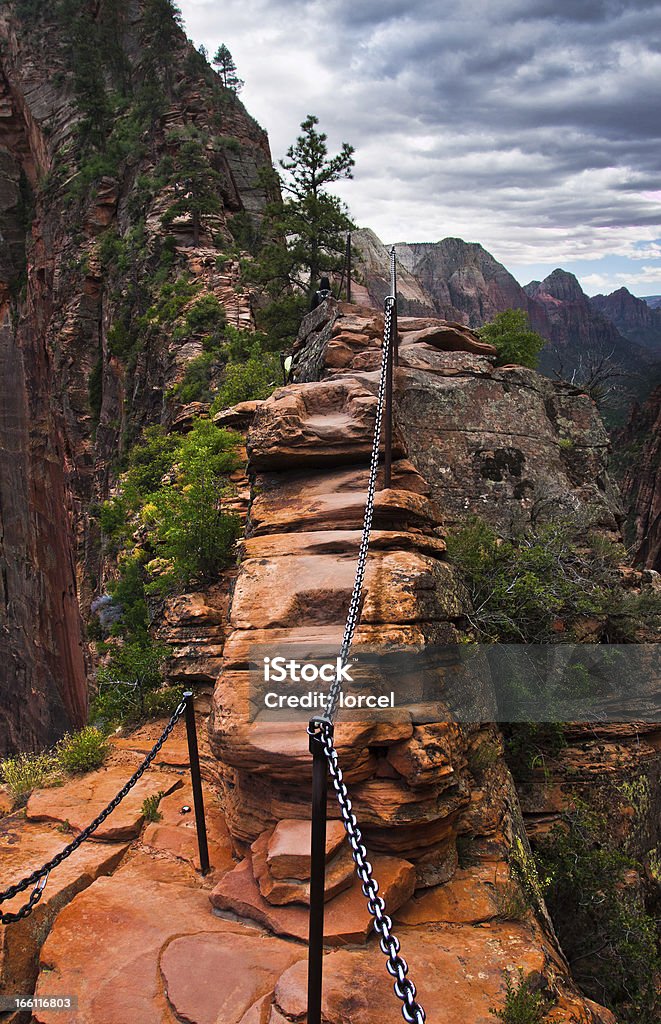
x=396, y=965
x=354, y=605
x=40, y=875
x=412, y=1011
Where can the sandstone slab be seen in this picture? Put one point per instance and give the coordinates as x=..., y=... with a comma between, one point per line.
x=346, y=919
x=211, y=978
x=78, y=802
x=106, y=944
x=457, y=971
x=25, y=846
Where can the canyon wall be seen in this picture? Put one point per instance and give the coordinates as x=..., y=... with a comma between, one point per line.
x=96, y=103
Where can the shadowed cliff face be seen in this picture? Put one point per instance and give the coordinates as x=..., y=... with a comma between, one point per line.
x=641, y=484
x=97, y=104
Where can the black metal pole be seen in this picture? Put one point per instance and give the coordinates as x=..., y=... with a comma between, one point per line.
x=196, y=780
x=317, y=871
x=349, y=266
x=387, y=441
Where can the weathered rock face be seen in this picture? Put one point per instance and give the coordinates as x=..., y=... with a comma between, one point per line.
x=641, y=484
x=505, y=443
x=462, y=278
x=83, y=369
x=410, y=778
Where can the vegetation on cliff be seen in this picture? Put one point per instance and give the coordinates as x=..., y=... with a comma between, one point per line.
x=544, y=585
x=603, y=910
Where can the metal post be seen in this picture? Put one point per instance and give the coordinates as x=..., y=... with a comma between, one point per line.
x=317, y=870
x=348, y=261
x=387, y=440
x=393, y=291
x=196, y=780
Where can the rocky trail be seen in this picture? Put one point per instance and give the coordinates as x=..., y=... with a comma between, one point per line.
x=128, y=924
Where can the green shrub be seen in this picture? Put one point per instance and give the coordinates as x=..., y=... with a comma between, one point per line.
x=132, y=670
x=521, y=589
x=206, y=314
x=162, y=703
x=195, y=386
x=514, y=341
x=26, y=772
x=150, y=804
x=605, y=930
x=257, y=378
x=522, y=1005
x=82, y=751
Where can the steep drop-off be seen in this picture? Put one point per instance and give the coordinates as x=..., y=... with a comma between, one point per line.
x=103, y=109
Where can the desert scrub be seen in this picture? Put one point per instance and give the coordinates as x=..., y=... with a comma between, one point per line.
x=534, y=588
x=606, y=930
x=162, y=703
x=523, y=1005
x=82, y=751
x=150, y=811
x=132, y=670
x=26, y=772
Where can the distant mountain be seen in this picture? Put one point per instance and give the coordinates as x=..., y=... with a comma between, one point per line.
x=652, y=300
x=462, y=281
x=636, y=319
x=577, y=331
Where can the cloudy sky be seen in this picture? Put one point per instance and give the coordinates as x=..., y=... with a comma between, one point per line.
x=531, y=126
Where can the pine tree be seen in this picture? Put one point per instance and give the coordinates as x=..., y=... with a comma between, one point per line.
x=312, y=221
x=227, y=69
x=196, y=185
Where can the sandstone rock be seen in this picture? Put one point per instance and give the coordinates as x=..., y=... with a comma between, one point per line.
x=346, y=916
x=449, y=338
x=78, y=802
x=106, y=944
x=312, y=424
x=239, y=416
x=288, y=852
x=211, y=977
x=467, y=898
x=429, y=755
x=176, y=834
x=23, y=848
x=295, y=888
x=452, y=968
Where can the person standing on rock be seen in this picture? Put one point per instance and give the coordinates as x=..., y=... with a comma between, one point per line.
x=323, y=292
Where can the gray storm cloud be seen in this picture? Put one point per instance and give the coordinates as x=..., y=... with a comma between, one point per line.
x=531, y=126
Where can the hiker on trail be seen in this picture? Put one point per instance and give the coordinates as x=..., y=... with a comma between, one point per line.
x=323, y=292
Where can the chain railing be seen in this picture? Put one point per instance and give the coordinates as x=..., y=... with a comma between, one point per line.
x=39, y=877
x=325, y=757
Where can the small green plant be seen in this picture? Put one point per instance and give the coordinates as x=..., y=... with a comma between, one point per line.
x=150, y=804
x=82, y=751
x=483, y=756
x=604, y=925
x=511, y=902
x=513, y=339
x=163, y=702
x=26, y=772
x=522, y=1004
